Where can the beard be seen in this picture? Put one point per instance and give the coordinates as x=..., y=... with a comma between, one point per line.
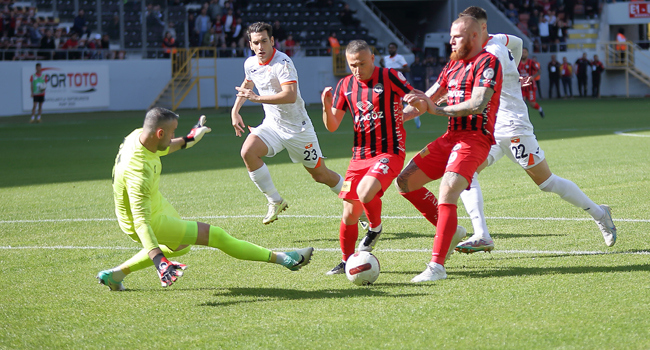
x=462, y=52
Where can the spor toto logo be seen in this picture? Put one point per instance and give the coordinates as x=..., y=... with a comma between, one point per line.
x=85, y=81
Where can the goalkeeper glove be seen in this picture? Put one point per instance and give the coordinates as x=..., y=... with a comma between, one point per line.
x=168, y=271
x=196, y=134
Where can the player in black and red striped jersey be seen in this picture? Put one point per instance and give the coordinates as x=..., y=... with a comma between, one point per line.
x=374, y=96
x=529, y=70
x=472, y=82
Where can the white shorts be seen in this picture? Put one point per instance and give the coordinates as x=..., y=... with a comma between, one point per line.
x=523, y=150
x=303, y=147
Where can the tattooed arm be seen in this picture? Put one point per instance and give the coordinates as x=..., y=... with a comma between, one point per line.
x=475, y=105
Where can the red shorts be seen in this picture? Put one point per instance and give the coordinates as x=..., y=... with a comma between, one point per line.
x=384, y=168
x=458, y=152
x=530, y=93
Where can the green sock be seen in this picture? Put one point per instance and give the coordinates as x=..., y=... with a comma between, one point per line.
x=141, y=260
x=236, y=248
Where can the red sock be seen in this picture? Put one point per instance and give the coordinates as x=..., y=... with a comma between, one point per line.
x=425, y=202
x=373, y=211
x=348, y=235
x=536, y=106
x=445, y=232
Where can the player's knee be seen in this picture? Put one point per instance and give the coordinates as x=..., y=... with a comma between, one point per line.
x=401, y=183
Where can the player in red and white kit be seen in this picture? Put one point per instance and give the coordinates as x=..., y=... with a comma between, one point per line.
x=516, y=140
x=374, y=96
x=529, y=70
x=472, y=83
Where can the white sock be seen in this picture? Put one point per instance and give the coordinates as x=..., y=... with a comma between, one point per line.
x=118, y=275
x=571, y=193
x=375, y=229
x=337, y=188
x=38, y=117
x=33, y=117
x=262, y=179
x=283, y=259
x=473, y=201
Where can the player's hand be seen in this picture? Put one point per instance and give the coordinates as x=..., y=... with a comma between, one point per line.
x=168, y=271
x=247, y=93
x=238, y=124
x=441, y=100
x=196, y=134
x=326, y=97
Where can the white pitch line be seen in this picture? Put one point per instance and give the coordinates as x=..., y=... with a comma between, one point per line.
x=627, y=133
x=36, y=221
x=336, y=250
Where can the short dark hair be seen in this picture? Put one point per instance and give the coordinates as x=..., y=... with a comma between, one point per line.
x=158, y=116
x=394, y=44
x=38, y=65
x=475, y=12
x=259, y=27
x=355, y=46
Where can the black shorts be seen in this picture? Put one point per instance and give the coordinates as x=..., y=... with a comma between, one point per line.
x=39, y=99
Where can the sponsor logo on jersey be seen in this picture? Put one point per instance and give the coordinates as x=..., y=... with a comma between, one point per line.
x=515, y=140
x=378, y=89
x=309, y=145
x=455, y=93
x=348, y=93
x=457, y=147
x=488, y=73
x=469, y=66
x=452, y=83
x=401, y=76
x=367, y=111
x=365, y=106
x=384, y=160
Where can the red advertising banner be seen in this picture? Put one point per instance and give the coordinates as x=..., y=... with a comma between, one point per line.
x=639, y=10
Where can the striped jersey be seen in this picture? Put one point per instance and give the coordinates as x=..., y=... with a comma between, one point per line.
x=460, y=77
x=377, y=108
x=528, y=68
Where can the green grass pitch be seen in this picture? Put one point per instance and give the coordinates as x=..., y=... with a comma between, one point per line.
x=551, y=282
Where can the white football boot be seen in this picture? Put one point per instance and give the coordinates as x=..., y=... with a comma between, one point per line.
x=274, y=210
x=433, y=272
x=606, y=226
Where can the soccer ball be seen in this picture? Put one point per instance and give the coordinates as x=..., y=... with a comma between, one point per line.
x=362, y=268
x=42, y=86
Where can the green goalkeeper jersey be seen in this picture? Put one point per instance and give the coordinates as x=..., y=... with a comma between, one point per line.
x=136, y=177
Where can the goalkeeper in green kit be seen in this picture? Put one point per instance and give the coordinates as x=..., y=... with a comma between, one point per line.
x=146, y=216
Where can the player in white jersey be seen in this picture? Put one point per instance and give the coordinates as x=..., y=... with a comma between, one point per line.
x=516, y=140
x=286, y=123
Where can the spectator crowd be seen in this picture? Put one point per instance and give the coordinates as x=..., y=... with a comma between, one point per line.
x=547, y=22
x=26, y=35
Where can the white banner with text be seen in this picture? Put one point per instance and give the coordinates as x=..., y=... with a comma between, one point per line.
x=69, y=87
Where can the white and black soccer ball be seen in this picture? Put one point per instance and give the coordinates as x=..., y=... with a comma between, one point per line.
x=42, y=86
x=362, y=268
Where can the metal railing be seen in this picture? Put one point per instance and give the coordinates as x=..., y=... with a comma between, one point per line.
x=31, y=54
